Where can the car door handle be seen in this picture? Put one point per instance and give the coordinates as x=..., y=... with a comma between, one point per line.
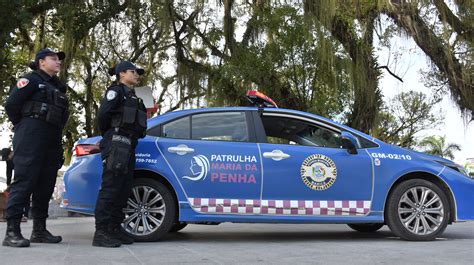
x=276, y=155
x=181, y=149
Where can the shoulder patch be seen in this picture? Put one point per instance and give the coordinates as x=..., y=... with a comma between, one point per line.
x=22, y=82
x=111, y=95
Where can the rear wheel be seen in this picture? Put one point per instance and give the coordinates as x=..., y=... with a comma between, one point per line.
x=417, y=210
x=366, y=228
x=150, y=212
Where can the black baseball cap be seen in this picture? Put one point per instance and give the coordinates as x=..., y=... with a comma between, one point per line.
x=126, y=65
x=45, y=52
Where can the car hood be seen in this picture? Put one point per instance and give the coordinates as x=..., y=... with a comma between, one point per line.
x=433, y=158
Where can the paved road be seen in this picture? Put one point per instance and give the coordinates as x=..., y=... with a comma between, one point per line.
x=247, y=244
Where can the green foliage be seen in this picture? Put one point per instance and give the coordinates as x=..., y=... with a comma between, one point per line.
x=406, y=115
x=436, y=145
x=292, y=68
x=316, y=56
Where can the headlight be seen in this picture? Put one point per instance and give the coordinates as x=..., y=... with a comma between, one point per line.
x=456, y=167
x=463, y=170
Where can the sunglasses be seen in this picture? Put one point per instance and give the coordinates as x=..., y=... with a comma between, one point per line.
x=133, y=71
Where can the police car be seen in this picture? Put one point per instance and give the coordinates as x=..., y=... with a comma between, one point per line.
x=271, y=165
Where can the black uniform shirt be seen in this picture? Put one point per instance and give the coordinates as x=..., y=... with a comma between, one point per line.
x=25, y=89
x=112, y=101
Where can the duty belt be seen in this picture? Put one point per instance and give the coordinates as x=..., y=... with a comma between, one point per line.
x=122, y=139
x=125, y=132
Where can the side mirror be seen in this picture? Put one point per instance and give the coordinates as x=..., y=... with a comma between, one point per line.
x=349, y=142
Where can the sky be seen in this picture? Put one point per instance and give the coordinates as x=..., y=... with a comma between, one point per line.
x=408, y=64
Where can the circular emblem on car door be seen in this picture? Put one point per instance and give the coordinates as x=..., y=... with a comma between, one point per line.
x=318, y=172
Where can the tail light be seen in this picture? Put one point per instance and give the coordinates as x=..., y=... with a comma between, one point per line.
x=86, y=149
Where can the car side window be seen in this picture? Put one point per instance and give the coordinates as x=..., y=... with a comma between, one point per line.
x=178, y=129
x=154, y=131
x=220, y=126
x=281, y=130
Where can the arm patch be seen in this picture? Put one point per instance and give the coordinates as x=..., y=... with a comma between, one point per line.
x=111, y=95
x=22, y=82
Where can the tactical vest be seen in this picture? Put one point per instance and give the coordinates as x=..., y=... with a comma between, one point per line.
x=48, y=104
x=131, y=116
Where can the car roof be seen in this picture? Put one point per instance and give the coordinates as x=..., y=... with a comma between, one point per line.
x=163, y=118
x=175, y=114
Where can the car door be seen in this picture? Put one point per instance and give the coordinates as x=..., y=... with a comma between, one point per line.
x=215, y=159
x=307, y=172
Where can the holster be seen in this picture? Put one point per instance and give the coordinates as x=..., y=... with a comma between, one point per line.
x=120, y=154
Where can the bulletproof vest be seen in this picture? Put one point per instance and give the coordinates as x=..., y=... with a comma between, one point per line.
x=48, y=104
x=131, y=115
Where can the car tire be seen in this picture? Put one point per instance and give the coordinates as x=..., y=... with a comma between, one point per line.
x=150, y=212
x=178, y=227
x=366, y=228
x=417, y=210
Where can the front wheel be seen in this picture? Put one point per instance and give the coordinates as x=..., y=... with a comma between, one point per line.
x=417, y=210
x=150, y=212
x=366, y=228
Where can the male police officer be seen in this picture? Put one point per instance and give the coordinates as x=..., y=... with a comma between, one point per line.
x=38, y=109
x=122, y=120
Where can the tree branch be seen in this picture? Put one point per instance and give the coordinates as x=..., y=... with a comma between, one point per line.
x=24, y=35
x=214, y=50
x=390, y=72
x=460, y=81
x=184, y=99
x=466, y=31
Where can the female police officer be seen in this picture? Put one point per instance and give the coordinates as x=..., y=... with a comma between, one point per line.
x=38, y=109
x=122, y=120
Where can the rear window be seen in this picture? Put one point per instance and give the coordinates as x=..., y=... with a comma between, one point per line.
x=178, y=129
x=220, y=126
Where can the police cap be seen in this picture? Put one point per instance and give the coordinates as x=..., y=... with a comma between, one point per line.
x=126, y=65
x=45, y=52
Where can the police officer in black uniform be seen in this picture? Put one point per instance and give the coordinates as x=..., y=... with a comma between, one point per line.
x=38, y=109
x=122, y=120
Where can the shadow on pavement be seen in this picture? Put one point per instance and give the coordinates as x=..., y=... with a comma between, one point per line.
x=290, y=236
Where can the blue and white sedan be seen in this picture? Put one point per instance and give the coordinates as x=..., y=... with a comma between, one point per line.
x=273, y=165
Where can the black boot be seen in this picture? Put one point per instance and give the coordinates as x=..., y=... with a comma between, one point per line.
x=13, y=237
x=41, y=235
x=116, y=231
x=102, y=238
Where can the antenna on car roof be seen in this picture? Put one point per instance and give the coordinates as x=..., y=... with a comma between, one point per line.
x=260, y=100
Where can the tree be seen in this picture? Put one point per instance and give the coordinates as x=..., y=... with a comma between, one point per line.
x=449, y=45
x=10, y=63
x=436, y=145
x=352, y=25
x=406, y=115
x=279, y=54
x=315, y=56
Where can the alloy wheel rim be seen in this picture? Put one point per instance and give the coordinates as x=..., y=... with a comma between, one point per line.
x=421, y=210
x=144, y=212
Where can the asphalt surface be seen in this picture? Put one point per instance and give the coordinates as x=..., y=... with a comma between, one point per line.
x=247, y=244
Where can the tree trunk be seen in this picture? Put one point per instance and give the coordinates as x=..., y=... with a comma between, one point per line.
x=367, y=96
